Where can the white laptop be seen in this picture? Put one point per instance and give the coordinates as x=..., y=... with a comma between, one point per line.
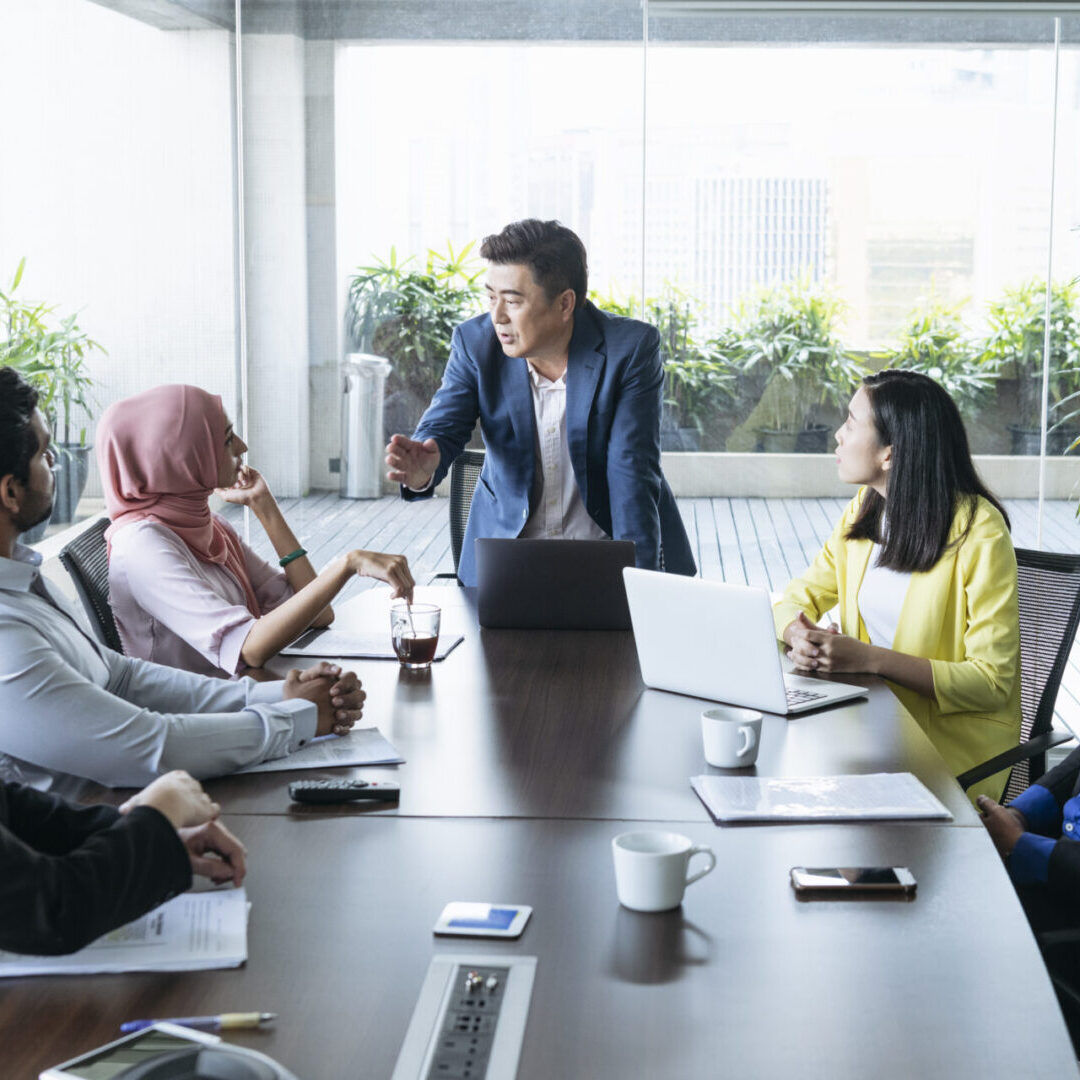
x=717, y=641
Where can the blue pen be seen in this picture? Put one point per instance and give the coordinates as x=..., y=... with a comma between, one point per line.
x=206, y=1023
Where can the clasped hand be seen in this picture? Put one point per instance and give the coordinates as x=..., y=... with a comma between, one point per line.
x=213, y=850
x=813, y=649
x=337, y=695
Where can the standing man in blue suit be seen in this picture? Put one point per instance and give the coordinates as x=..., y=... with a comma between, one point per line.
x=569, y=403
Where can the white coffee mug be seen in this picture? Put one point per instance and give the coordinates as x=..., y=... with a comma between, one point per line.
x=651, y=868
x=731, y=736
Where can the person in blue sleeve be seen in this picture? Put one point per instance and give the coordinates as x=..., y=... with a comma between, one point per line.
x=1037, y=835
x=569, y=401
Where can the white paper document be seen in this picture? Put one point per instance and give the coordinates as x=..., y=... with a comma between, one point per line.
x=870, y=797
x=357, y=644
x=193, y=932
x=362, y=746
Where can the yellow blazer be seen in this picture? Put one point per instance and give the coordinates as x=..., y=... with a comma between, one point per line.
x=961, y=614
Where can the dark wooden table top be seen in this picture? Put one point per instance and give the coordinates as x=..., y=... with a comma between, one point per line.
x=516, y=723
x=744, y=980
x=556, y=735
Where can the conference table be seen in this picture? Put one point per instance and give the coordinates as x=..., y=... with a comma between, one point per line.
x=525, y=753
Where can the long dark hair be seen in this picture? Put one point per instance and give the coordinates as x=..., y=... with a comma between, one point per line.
x=932, y=475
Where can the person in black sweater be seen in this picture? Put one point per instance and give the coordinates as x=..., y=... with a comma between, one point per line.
x=69, y=874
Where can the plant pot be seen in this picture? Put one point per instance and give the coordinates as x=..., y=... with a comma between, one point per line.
x=1026, y=442
x=691, y=438
x=680, y=439
x=778, y=442
x=813, y=440
x=72, y=469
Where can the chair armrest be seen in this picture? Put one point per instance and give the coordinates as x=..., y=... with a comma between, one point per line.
x=444, y=574
x=1048, y=939
x=1039, y=745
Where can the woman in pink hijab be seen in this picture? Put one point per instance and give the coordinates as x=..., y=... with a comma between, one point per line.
x=185, y=590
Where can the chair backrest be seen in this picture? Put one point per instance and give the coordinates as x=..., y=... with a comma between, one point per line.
x=86, y=559
x=464, y=474
x=1049, y=593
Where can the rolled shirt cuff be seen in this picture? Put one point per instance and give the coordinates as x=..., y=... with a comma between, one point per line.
x=1040, y=810
x=1029, y=863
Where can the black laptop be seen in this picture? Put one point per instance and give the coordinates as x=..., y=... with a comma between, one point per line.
x=553, y=584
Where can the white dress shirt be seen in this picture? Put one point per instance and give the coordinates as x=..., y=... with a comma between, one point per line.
x=557, y=510
x=175, y=609
x=881, y=597
x=70, y=705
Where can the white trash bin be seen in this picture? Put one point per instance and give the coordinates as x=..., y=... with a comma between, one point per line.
x=363, y=392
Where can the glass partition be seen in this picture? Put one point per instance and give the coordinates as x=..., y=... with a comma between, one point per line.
x=117, y=215
x=792, y=197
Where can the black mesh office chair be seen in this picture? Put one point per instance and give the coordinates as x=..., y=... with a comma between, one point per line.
x=87, y=561
x=1049, y=593
x=464, y=474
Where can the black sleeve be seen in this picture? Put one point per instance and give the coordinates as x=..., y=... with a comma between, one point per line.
x=69, y=875
x=1063, y=873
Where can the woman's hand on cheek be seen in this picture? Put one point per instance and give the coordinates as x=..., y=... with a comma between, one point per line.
x=250, y=488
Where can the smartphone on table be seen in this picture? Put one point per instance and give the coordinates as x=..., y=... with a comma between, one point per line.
x=849, y=879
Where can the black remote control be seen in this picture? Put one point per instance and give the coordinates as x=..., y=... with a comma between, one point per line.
x=335, y=791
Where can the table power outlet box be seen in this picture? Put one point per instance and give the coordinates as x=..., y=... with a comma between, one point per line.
x=469, y=1021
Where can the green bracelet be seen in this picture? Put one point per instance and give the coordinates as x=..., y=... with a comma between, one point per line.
x=299, y=553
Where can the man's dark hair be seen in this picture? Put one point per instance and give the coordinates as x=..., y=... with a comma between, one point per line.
x=18, y=442
x=554, y=254
x=932, y=475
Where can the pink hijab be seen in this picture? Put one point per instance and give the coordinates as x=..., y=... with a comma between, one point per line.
x=158, y=454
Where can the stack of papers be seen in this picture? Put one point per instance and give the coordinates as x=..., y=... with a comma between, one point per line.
x=872, y=797
x=194, y=932
x=362, y=746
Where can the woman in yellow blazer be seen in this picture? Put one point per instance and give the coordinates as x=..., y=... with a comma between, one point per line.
x=944, y=572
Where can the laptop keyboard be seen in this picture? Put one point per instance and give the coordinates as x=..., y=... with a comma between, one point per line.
x=800, y=697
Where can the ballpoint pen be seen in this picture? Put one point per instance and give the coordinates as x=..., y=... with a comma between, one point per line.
x=206, y=1023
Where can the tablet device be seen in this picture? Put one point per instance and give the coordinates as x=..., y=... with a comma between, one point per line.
x=119, y=1056
x=483, y=920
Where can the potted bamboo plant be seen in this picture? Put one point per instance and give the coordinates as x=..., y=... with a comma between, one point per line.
x=53, y=353
x=935, y=343
x=407, y=315
x=791, y=334
x=1013, y=348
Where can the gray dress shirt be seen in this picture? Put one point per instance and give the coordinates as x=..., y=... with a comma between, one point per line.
x=70, y=705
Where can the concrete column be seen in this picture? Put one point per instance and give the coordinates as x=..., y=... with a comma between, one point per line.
x=276, y=270
x=324, y=324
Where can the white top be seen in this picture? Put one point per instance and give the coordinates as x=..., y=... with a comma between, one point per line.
x=70, y=705
x=175, y=609
x=881, y=596
x=558, y=512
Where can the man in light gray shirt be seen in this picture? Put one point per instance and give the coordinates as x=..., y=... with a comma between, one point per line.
x=70, y=705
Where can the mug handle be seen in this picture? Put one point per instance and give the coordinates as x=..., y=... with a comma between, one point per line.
x=700, y=849
x=747, y=738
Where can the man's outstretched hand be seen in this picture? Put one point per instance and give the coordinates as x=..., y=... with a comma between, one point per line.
x=410, y=462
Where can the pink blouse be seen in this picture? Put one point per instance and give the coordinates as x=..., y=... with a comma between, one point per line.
x=175, y=609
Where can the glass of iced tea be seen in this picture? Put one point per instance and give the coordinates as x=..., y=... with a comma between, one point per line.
x=414, y=630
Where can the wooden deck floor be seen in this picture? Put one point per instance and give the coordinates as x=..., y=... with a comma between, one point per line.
x=763, y=542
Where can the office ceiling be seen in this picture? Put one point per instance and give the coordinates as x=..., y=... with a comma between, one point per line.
x=588, y=20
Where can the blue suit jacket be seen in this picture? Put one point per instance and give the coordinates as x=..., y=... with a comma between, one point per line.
x=614, y=383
